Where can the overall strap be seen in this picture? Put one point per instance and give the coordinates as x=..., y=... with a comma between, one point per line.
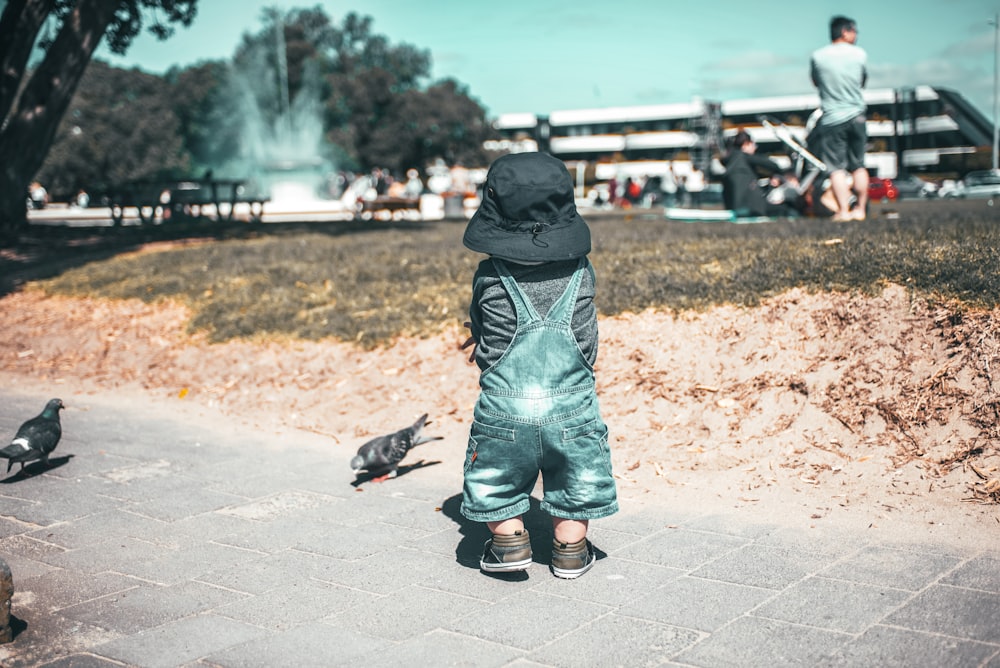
x=522, y=305
x=562, y=311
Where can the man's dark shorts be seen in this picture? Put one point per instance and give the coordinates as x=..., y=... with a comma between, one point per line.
x=843, y=146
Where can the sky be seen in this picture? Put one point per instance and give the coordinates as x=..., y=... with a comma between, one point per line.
x=540, y=56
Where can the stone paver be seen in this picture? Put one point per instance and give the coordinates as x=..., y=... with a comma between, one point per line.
x=158, y=540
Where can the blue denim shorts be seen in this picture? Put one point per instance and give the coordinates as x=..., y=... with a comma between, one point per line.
x=507, y=453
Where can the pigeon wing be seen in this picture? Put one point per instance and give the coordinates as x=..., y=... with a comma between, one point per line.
x=399, y=444
x=19, y=450
x=406, y=439
x=42, y=434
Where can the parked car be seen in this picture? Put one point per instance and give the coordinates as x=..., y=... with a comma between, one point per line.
x=882, y=190
x=909, y=186
x=981, y=184
x=950, y=188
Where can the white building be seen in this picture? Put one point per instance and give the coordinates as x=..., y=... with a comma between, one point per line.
x=919, y=129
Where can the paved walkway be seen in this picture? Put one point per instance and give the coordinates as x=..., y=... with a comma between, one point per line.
x=158, y=540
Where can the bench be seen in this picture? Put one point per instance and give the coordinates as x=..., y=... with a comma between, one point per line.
x=159, y=201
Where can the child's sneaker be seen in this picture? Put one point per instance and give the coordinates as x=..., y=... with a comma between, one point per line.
x=571, y=560
x=504, y=554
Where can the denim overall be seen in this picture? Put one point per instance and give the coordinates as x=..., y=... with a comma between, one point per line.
x=538, y=411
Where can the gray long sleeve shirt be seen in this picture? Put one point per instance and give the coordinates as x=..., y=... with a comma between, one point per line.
x=494, y=319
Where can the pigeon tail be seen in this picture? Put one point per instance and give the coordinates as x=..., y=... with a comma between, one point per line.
x=417, y=430
x=17, y=447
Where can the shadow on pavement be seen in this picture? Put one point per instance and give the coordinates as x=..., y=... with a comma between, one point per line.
x=400, y=472
x=36, y=468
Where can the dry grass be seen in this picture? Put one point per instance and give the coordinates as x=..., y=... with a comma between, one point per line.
x=372, y=282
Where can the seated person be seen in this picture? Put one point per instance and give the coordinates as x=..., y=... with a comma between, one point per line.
x=741, y=191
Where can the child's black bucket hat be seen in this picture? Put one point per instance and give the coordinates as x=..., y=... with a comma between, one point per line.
x=528, y=213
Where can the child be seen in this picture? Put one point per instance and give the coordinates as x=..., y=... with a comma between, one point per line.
x=534, y=325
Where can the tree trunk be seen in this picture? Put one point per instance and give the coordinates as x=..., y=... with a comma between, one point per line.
x=27, y=135
x=19, y=26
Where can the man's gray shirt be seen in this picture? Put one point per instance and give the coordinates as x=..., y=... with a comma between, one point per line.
x=839, y=72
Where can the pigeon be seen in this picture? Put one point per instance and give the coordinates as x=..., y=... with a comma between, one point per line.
x=381, y=456
x=36, y=438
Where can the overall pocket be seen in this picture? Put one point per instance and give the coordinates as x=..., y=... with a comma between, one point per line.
x=590, y=435
x=480, y=436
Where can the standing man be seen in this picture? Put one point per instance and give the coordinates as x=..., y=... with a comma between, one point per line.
x=839, y=72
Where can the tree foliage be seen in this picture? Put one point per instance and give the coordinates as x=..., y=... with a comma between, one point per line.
x=121, y=126
x=205, y=105
x=382, y=113
x=373, y=98
x=443, y=121
x=374, y=93
x=33, y=103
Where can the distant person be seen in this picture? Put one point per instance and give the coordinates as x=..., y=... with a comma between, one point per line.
x=534, y=327
x=38, y=196
x=635, y=191
x=396, y=190
x=839, y=72
x=694, y=184
x=460, y=181
x=414, y=186
x=669, y=187
x=680, y=180
x=741, y=190
x=652, y=191
x=439, y=177
x=381, y=179
x=630, y=192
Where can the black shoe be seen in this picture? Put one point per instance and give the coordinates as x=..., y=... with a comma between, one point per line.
x=571, y=560
x=504, y=554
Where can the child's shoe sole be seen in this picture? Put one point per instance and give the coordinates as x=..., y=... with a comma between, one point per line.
x=504, y=554
x=571, y=573
x=564, y=564
x=506, y=567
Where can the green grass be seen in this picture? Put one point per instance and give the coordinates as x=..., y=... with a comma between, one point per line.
x=371, y=282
